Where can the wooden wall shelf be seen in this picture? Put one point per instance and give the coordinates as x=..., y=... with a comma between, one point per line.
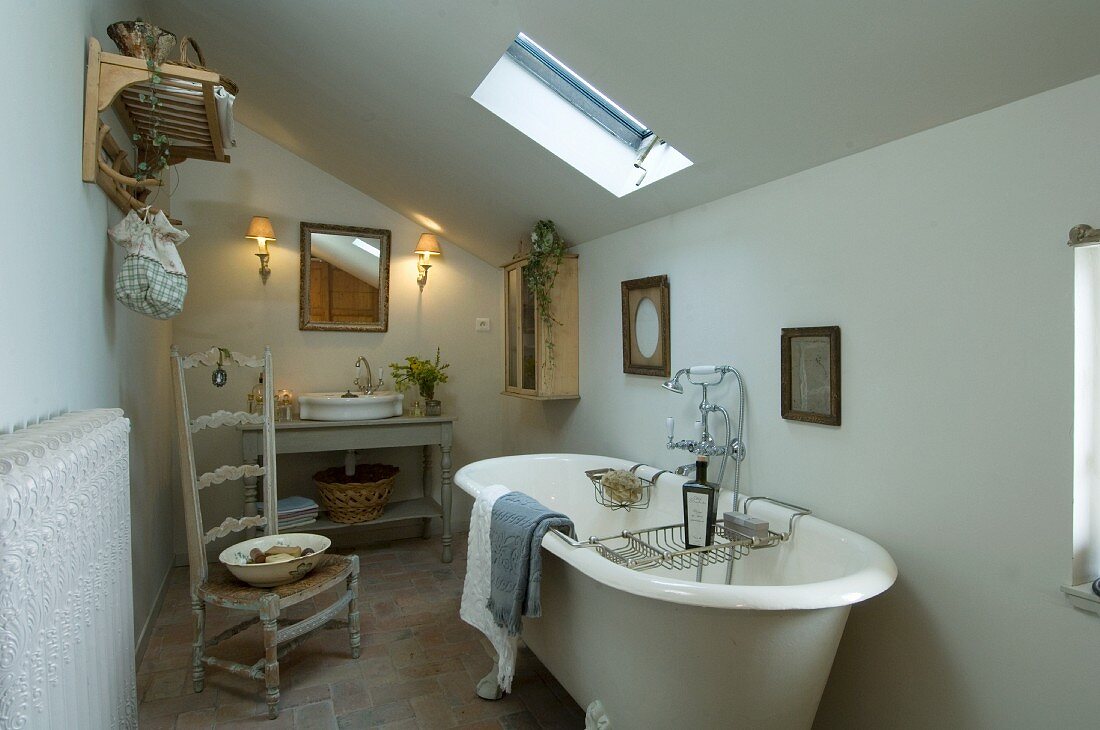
x=188, y=112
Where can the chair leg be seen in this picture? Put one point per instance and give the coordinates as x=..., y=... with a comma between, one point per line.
x=269, y=617
x=353, y=607
x=198, y=667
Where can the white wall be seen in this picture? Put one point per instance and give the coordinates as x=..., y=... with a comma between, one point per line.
x=228, y=305
x=69, y=345
x=942, y=257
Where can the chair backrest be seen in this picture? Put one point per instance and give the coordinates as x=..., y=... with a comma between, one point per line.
x=192, y=483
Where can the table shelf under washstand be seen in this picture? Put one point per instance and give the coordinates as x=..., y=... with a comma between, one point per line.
x=297, y=437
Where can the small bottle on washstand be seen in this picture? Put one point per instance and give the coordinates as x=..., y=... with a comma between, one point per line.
x=699, y=500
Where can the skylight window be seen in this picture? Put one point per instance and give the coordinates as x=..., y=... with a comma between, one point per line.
x=553, y=105
x=372, y=250
x=578, y=92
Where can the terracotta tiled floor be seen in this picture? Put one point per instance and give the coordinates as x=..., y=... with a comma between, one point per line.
x=418, y=666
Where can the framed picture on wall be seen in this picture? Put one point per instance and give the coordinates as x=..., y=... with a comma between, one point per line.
x=810, y=360
x=645, y=327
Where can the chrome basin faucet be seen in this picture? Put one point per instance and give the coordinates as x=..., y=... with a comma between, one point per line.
x=368, y=386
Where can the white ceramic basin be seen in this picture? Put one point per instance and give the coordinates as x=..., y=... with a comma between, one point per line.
x=335, y=407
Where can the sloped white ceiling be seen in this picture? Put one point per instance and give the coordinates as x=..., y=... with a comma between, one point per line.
x=378, y=93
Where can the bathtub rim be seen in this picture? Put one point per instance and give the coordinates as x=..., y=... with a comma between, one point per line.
x=876, y=575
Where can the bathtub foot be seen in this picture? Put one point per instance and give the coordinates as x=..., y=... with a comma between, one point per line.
x=487, y=688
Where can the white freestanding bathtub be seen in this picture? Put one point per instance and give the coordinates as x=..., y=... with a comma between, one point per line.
x=660, y=649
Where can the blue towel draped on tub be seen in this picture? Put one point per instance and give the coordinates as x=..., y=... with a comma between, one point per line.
x=515, y=535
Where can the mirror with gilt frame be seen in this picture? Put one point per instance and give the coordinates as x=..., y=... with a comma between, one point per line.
x=345, y=273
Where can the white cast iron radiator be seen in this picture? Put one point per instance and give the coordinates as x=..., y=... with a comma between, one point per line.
x=66, y=607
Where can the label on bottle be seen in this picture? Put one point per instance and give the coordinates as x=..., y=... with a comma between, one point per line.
x=696, y=525
x=698, y=515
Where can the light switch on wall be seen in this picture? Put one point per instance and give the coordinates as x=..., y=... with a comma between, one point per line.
x=481, y=324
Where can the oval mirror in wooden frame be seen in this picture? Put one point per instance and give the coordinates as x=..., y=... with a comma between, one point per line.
x=646, y=348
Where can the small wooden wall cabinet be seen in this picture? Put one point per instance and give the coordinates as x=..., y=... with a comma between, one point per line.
x=530, y=370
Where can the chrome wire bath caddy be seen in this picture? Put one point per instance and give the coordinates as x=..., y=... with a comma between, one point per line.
x=664, y=546
x=617, y=499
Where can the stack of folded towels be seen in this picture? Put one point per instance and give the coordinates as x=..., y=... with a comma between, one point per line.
x=294, y=512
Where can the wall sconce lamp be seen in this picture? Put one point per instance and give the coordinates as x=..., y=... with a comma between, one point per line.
x=426, y=247
x=260, y=229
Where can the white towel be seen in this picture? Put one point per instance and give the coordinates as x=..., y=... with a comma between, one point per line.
x=223, y=101
x=475, y=590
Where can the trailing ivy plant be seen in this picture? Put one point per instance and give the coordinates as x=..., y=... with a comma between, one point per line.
x=547, y=251
x=155, y=142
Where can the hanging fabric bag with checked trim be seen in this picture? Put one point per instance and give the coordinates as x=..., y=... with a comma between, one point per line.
x=152, y=280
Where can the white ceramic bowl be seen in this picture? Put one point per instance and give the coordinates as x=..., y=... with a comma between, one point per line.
x=268, y=575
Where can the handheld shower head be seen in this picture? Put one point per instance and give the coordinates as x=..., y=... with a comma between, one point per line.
x=673, y=383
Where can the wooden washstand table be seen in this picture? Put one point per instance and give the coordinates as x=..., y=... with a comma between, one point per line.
x=296, y=437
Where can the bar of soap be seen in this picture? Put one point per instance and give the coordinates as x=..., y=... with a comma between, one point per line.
x=292, y=550
x=279, y=558
x=742, y=524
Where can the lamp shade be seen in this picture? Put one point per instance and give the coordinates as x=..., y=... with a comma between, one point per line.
x=260, y=227
x=428, y=245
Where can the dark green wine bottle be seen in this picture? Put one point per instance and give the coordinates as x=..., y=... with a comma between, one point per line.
x=699, y=501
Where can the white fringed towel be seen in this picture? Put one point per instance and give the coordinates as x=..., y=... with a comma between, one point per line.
x=476, y=588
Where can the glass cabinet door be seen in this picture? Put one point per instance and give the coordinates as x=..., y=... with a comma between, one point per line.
x=511, y=309
x=527, y=301
x=521, y=339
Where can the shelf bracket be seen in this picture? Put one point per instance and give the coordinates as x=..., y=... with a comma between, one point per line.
x=188, y=113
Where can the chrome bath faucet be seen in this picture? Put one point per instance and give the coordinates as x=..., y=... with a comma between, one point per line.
x=733, y=447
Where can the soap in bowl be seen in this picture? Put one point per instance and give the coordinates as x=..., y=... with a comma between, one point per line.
x=269, y=575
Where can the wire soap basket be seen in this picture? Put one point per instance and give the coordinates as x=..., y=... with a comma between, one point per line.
x=614, y=496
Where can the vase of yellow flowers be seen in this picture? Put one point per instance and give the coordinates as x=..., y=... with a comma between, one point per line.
x=425, y=375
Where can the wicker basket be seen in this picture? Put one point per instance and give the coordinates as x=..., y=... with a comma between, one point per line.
x=227, y=82
x=359, y=497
